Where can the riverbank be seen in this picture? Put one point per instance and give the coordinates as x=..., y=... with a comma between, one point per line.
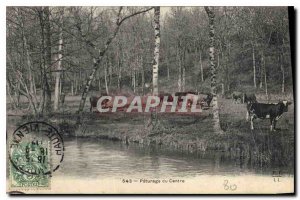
x=189, y=133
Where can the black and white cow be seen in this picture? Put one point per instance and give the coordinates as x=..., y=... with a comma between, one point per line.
x=267, y=111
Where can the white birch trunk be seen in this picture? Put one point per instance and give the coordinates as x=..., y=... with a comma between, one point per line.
x=201, y=66
x=105, y=79
x=156, y=49
x=183, y=78
x=215, y=108
x=58, y=86
x=179, y=70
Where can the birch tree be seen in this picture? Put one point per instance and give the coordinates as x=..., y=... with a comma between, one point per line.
x=101, y=51
x=156, y=50
x=58, y=64
x=215, y=108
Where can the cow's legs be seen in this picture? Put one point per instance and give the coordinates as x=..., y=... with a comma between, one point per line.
x=273, y=124
x=271, y=127
x=251, y=122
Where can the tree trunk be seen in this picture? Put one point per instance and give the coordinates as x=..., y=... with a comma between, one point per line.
x=156, y=49
x=75, y=84
x=228, y=60
x=80, y=81
x=179, y=69
x=221, y=66
x=215, y=109
x=254, y=65
x=183, y=78
x=226, y=63
x=27, y=57
x=61, y=84
x=29, y=65
x=105, y=79
x=119, y=73
x=154, y=117
x=34, y=85
x=72, y=87
x=261, y=72
x=223, y=89
x=136, y=79
x=26, y=92
x=48, y=59
x=99, y=82
x=58, y=84
x=168, y=71
x=183, y=71
x=218, y=62
x=110, y=72
x=26, y=50
x=12, y=101
x=99, y=85
x=280, y=59
x=261, y=78
x=201, y=66
x=143, y=76
x=44, y=16
x=133, y=80
x=265, y=74
x=57, y=88
x=17, y=94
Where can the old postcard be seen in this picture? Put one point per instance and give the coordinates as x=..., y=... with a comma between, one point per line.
x=150, y=100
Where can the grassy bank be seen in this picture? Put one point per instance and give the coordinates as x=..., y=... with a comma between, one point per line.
x=189, y=133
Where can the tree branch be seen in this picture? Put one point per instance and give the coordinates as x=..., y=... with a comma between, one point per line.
x=136, y=13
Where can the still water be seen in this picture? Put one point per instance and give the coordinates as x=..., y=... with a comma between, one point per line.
x=95, y=158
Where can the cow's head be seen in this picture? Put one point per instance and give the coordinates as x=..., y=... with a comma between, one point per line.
x=284, y=105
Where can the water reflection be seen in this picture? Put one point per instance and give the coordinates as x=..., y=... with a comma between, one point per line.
x=93, y=158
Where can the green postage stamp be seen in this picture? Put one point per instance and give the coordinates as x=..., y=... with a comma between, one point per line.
x=30, y=164
x=35, y=153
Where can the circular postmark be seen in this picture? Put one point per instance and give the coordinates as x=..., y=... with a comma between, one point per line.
x=36, y=148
